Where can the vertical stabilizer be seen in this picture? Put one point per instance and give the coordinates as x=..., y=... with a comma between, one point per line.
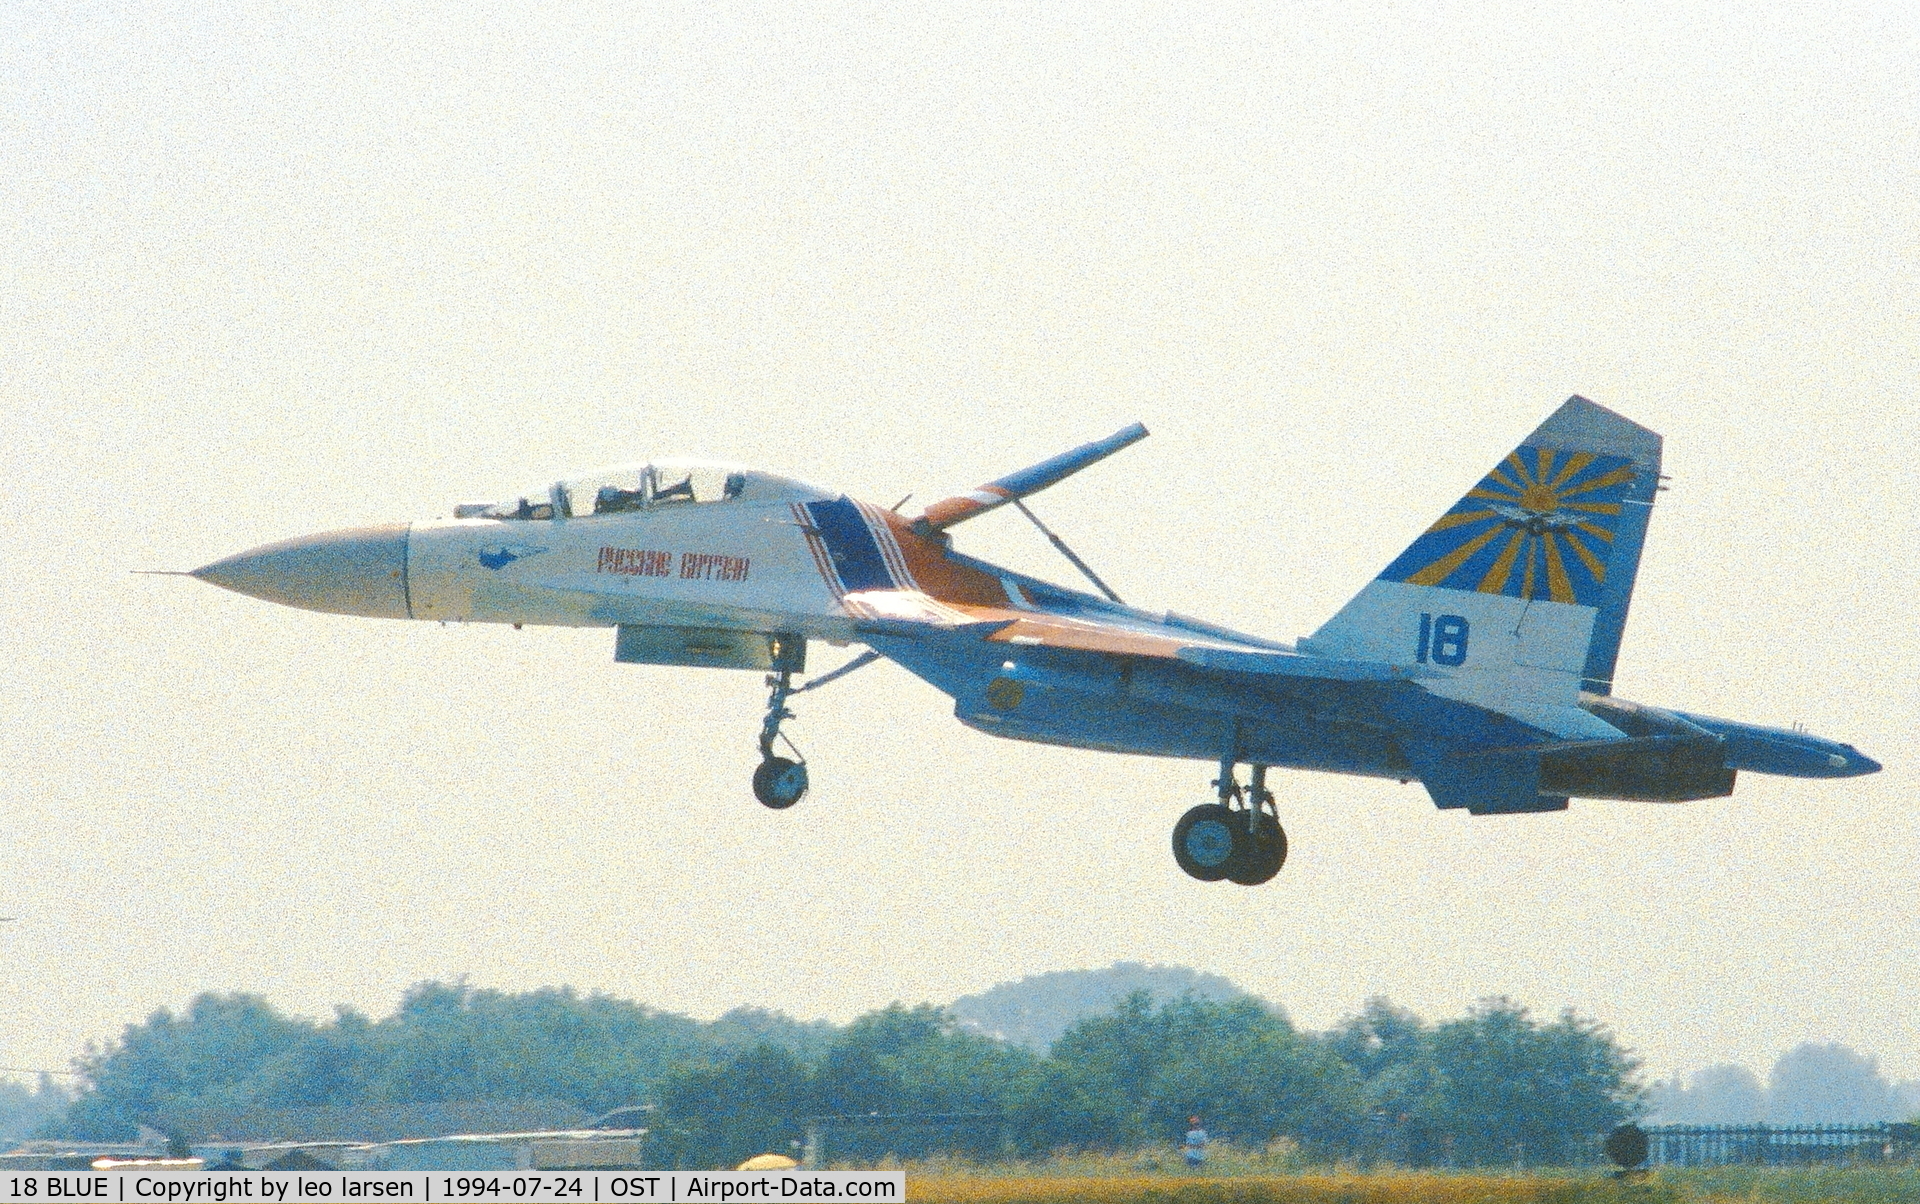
x=1515, y=599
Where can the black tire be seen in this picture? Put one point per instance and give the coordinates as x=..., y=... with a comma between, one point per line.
x=780, y=783
x=1261, y=856
x=1207, y=840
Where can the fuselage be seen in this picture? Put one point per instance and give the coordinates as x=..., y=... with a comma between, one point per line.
x=732, y=550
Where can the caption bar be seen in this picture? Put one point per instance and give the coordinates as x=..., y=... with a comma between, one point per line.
x=329, y=1187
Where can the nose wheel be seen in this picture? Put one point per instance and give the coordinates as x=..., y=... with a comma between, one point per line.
x=1238, y=838
x=779, y=782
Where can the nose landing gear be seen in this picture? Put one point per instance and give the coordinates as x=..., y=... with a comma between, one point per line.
x=1238, y=838
x=779, y=782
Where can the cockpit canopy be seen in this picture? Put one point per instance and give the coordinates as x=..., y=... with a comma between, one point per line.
x=642, y=487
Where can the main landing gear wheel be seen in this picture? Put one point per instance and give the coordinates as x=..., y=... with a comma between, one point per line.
x=1238, y=839
x=779, y=783
x=1264, y=852
x=1205, y=841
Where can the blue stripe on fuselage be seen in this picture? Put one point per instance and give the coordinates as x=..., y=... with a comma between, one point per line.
x=856, y=557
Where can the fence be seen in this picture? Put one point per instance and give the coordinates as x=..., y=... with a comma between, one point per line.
x=1784, y=1145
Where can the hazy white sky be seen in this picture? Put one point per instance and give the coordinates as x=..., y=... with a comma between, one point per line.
x=266, y=270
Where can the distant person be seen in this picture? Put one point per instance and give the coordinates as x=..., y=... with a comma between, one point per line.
x=1195, y=1146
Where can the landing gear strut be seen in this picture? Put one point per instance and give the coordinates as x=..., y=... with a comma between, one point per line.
x=779, y=782
x=1238, y=838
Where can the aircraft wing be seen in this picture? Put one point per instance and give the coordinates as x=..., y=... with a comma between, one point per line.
x=1485, y=755
x=904, y=614
x=898, y=612
x=1267, y=662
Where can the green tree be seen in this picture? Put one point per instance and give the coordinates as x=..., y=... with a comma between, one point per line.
x=329, y=1065
x=445, y=1042
x=1133, y=1077
x=1826, y=1084
x=1401, y=1088
x=1250, y=1076
x=1096, y=1087
x=719, y=1115
x=24, y=1110
x=1381, y=1038
x=902, y=1059
x=1037, y=1010
x=745, y=1027
x=210, y=1054
x=449, y=1042
x=1512, y=1088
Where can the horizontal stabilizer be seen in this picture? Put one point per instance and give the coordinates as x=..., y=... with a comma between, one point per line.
x=1026, y=482
x=1566, y=722
x=1482, y=785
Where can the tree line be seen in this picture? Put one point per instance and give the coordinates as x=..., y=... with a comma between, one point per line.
x=1813, y=1083
x=1489, y=1086
x=24, y=1110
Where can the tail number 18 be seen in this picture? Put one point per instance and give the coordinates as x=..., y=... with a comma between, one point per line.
x=1443, y=640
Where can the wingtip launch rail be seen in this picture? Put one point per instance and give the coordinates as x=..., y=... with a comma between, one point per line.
x=1025, y=483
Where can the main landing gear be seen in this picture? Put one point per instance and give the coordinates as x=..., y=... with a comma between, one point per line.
x=780, y=781
x=1238, y=838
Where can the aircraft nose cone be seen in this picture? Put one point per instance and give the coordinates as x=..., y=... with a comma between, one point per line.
x=361, y=571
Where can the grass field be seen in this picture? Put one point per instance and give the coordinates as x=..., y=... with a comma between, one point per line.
x=1730, y=1185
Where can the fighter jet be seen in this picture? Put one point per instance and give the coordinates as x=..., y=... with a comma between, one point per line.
x=1479, y=663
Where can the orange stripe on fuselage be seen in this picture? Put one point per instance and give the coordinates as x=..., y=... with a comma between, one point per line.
x=937, y=576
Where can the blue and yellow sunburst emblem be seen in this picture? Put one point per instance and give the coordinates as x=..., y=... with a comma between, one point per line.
x=1540, y=526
